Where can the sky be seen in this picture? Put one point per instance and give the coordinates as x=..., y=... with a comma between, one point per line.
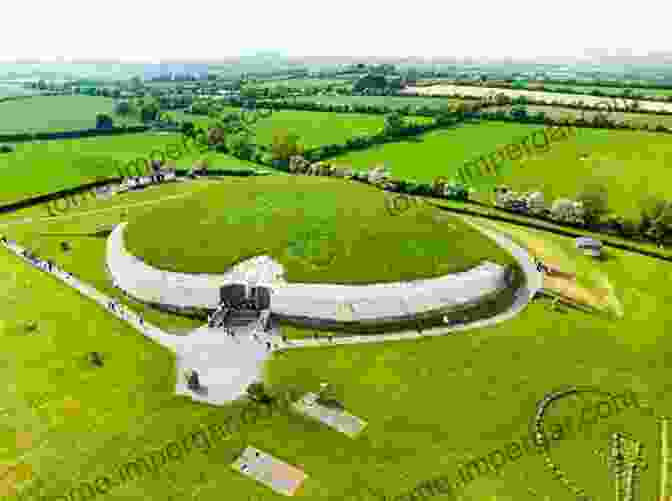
x=152, y=31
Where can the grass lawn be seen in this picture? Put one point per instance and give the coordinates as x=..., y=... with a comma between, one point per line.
x=493, y=376
x=86, y=259
x=39, y=168
x=437, y=153
x=56, y=113
x=319, y=229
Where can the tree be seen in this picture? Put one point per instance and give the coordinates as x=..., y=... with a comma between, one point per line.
x=594, y=200
x=394, y=123
x=327, y=397
x=149, y=112
x=370, y=82
x=241, y=146
x=123, y=108
x=650, y=208
x=285, y=145
x=258, y=393
x=188, y=129
x=104, y=121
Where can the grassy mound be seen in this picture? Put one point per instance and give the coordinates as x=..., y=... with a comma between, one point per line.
x=319, y=229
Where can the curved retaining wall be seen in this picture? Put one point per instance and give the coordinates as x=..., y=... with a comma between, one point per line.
x=307, y=303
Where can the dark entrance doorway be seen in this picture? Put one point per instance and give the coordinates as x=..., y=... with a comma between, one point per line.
x=232, y=295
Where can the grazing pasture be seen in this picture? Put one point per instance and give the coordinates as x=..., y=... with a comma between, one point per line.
x=437, y=153
x=56, y=113
x=629, y=164
x=314, y=128
x=38, y=168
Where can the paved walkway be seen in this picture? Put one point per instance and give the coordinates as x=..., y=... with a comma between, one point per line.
x=226, y=365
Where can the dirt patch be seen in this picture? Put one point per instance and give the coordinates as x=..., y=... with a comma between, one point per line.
x=570, y=289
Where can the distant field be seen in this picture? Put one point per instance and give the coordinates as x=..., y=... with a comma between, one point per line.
x=395, y=102
x=13, y=89
x=39, y=168
x=548, y=97
x=315, y=128
x=303, y=82
x=55, y=113
x=630, y=164
x=584, y=89
x=437, y=153
x=639, y=91
x=638, y=119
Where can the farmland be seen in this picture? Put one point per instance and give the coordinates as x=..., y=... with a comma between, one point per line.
x=55, y=113
x=624, y=162
x=38, y=168
x=437, y=153
x=547, y=97
x=313, y=128
x=608, y=331
x=560, y=113
x=301, y=83
x=394, y=102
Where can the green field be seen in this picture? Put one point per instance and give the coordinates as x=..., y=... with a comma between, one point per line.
x=496, y=376
x=301, y=83
x=313, y=127
x=394, y=102
x=319, y=229
x=56, y=113
x=437, y=153
x=45, y=167
x=630, y=164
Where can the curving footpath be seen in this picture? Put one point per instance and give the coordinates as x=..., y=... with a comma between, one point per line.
x=534, y=282
x=227, y=365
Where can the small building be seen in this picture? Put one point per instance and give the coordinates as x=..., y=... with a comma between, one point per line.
x=589, y=246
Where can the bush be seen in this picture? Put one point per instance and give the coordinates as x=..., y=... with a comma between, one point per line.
x=257, y=392
x=5, y=148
